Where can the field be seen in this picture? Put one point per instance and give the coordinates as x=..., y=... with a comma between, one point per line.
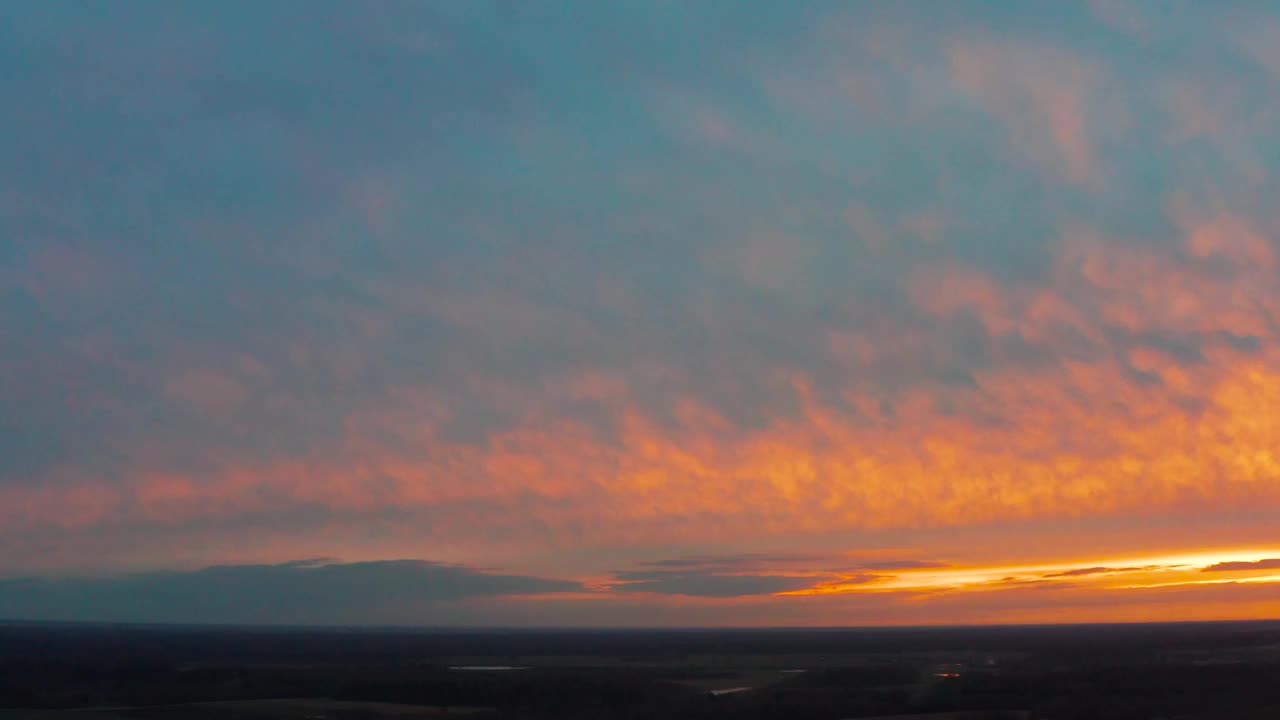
x=1191, y=671
x=269, y=709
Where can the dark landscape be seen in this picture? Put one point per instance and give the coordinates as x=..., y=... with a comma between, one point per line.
x=1188, y=670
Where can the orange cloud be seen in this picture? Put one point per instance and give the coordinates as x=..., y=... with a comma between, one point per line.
x=1117, y=425
x=1077, y=440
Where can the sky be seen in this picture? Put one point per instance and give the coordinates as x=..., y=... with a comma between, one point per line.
x=639, y=313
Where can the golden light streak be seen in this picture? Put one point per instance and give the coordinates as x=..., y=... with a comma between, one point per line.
x=1163, y=570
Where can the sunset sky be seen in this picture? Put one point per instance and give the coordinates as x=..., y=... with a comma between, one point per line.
x=639, y=313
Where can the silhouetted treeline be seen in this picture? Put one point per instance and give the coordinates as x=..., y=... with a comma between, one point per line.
x=217, y=644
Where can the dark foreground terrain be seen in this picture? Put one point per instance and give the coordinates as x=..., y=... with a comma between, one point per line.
x=96, y=672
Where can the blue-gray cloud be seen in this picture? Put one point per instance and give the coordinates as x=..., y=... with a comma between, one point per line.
x=1240, y=565
x=298, y=592
x=709, y=583
x=746, y=574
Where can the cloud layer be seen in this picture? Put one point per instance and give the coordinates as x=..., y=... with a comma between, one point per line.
x=817, y=287
x=305, y=592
